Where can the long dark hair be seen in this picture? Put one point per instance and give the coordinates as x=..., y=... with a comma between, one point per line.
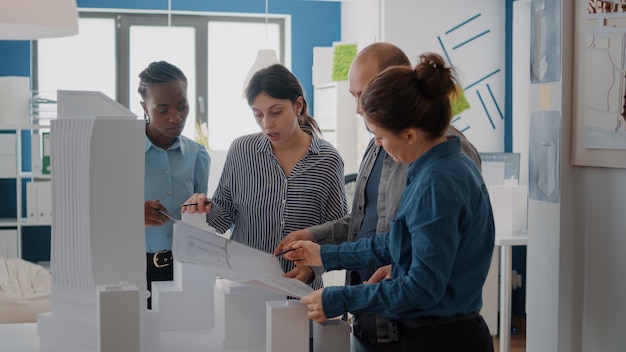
x=278, y=82
x=401, y=97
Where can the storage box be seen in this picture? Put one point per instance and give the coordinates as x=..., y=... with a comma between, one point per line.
x=14, y=100
x=8, y=144
x=8, y=166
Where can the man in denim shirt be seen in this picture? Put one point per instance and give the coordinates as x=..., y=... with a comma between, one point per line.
x=379, y=186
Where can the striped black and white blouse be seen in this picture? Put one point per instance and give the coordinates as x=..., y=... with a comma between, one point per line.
x=263, y=205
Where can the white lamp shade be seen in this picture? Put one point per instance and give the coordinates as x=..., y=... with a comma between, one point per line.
x=34, y=19
x=264, y=58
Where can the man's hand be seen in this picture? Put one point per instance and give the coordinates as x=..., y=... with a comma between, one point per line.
x=297, y=235
x=302, y=273
x=382, y=273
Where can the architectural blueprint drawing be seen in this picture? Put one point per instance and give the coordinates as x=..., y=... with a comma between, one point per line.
x=233, y=261
x=605, y=76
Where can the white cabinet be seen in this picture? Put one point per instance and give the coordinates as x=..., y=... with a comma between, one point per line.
x=335, y=112
x=26, y=207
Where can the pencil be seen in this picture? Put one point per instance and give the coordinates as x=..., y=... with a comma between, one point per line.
x=196, y=203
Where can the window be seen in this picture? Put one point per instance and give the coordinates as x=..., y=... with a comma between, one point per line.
x=214, y=51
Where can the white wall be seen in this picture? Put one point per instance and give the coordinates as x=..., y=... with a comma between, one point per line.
x=473, y=41
x=576, y=288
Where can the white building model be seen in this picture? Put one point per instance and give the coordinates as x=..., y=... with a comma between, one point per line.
x=98, y=246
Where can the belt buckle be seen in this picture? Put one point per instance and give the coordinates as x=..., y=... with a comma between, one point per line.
x=155, y=260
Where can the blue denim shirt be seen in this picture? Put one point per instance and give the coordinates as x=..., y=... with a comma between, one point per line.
x=439, y=245
x=392, y=182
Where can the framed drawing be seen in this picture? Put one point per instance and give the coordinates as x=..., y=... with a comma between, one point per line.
x=599, y=126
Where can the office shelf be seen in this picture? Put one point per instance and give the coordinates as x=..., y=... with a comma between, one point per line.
x=20, y=236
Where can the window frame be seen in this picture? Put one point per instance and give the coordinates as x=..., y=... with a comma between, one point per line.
x=198, y=20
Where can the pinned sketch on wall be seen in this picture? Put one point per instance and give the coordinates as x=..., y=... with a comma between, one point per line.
x=543, y=156
x=545, y=49
x=600, y=117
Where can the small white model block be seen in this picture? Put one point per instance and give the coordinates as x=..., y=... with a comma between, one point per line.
x=287, y=326
x=331, y=335
x=117, y=304
x=240, y=314
x=187, y=302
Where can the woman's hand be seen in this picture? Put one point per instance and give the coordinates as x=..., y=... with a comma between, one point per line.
x=197, y=203
x=296, y=235
x=382, y=273
x=152, y=216
x=314, y=304
x=304, y=253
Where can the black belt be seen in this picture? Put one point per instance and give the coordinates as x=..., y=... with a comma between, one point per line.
x=161, y=259
x=432, y=321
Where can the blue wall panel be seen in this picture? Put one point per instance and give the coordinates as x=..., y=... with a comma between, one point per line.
x=15, y=58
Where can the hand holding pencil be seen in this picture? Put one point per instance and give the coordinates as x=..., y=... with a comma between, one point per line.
x=303, y=253
x=197, y=203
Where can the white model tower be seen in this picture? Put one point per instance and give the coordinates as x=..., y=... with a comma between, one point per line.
x=98, y=245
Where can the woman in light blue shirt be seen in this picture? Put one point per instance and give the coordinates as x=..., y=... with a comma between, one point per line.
x=175, y=166
x=441, y=240
x=278, y=180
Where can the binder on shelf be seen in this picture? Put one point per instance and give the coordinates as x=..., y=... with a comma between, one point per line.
x=44, y=204
x=31, y=202
x=8, y=243
x=35, y=147
x=45, y=153
x=8, y=144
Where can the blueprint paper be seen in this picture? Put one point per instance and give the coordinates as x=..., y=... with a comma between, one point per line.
x=232, y=260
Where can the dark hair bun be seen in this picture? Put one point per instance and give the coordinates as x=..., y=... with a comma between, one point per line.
x=434, y=77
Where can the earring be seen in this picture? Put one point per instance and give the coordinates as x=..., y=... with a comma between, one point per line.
x=146, y=117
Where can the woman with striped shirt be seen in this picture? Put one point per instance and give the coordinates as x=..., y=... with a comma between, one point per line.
x=278, y=180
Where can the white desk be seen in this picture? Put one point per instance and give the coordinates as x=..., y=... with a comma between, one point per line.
x=506, y=241
x=24, y=338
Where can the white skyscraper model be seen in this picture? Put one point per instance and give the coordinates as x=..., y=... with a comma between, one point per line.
x=98, y=245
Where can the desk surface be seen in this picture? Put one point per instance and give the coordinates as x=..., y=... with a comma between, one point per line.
x=512, y=238
x=24, y=338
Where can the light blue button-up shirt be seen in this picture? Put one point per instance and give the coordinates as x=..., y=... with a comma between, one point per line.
x=172, y=176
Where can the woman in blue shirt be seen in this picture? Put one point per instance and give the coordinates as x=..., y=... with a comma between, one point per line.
x=441, y=240
x=175, y=166
x=280, y=179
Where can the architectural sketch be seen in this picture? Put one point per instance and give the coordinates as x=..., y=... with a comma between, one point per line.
x=543, y=155
x=605, y=75
x=232, y=260
x=545, y=49
x=599, y=128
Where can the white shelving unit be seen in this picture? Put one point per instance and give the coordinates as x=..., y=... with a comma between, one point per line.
x=335, y=112
x=12, y=188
